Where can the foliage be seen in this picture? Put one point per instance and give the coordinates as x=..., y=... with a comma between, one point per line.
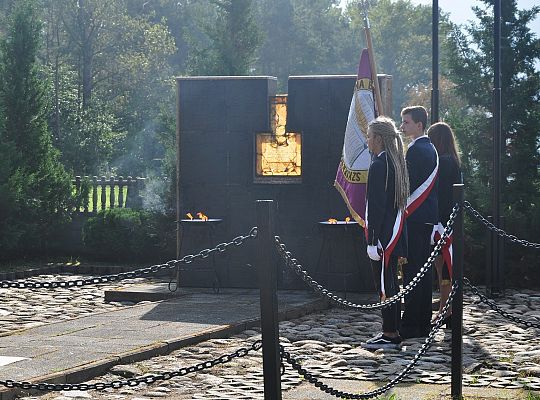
x=89, y=136
x=401, y=33
x=109, y=68
x=36, y=189
x=533, y=396
x=100, y=89
x=305, y=37
x=110, y=64
x=122, y=234
x=166, y=134
x=470, y=65
x=232, y=40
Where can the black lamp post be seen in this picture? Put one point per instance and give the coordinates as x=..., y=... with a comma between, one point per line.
x=435, y=62
x=494, y=286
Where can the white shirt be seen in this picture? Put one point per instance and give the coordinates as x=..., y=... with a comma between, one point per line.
x=419, y=137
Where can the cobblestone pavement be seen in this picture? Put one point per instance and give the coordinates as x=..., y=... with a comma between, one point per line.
x=497, y=352
x=25, y=308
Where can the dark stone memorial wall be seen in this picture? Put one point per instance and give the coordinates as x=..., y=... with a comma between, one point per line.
x=218, y=118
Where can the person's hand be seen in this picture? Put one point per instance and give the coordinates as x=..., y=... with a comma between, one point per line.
x=432, y=237
x=373, y=253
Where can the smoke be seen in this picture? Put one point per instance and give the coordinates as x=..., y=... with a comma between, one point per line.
x=142, y=154
x=153, y=195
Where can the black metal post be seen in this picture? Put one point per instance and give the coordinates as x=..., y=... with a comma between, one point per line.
x=435, y=62
x=268, y=296
x=179, y=232
x=457, y=303
x=496, y=266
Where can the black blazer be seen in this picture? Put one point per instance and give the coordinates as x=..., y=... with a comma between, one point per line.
x=449, y=173
x=421, y=160
x=381, y=210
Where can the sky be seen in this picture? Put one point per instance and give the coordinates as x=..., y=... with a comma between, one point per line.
x=460, y=10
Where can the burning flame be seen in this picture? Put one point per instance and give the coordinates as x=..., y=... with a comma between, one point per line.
x=347, y=220
x=202, y=216
x=332, y=221
x=189, y=215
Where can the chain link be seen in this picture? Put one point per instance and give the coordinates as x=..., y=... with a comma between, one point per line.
x=399, y=378
x=499, y=231
x=147, y=379
x=495, y=307
x=297, y=268
x=143, y=272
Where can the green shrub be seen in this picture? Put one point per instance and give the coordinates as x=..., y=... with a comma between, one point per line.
x=122, y=234
x=36, y=193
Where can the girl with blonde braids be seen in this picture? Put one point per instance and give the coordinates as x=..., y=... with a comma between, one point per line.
x=387, y=192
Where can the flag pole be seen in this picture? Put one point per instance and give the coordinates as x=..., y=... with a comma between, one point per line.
x=374, y=78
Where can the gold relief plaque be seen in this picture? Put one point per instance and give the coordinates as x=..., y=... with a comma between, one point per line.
x=278, y=153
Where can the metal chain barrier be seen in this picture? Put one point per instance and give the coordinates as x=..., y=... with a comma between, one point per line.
x=147, y=379
x=297, y=267
x=495, y=307
x=499, y=231
x=399, y=378
x=187, y=259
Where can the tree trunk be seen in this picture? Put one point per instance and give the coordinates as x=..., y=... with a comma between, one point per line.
x=86, y=53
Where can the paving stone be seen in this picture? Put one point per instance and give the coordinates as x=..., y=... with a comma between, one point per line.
x=327, y=343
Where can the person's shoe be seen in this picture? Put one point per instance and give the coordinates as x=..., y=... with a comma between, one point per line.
x=381, y=341
x=410, y=333
x=446, y=322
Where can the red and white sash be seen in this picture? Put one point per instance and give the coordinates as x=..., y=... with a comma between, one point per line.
x=387, y=251
x=421, y=193
x=446, y=250
x=396, y=233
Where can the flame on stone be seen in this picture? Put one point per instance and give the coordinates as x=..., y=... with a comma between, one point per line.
x=202, y=216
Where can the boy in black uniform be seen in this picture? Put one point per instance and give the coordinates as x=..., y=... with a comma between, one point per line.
x=422, y=214
x=387, y=192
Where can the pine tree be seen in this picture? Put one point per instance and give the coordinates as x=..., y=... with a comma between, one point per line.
x=471, y=68
x=36, y=189
x=233, y=41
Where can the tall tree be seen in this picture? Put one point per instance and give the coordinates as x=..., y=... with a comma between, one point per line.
x=276, y=54
x=180, y=17
x=39, y=189
x=401, y=34
x=471, y=68
x=306, y=37
x=109, y=67
x=232, y=40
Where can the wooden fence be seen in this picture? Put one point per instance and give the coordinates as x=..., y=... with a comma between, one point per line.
x=104, y=193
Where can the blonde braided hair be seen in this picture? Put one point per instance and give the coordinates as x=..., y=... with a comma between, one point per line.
x=393, y=145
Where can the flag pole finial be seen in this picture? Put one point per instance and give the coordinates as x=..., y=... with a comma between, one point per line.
x=363, y=10
x=378, y=100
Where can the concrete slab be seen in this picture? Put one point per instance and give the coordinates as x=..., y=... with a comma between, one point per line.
x=79, y=349
x=5, y=360
x=403, y=391
x=146, y=292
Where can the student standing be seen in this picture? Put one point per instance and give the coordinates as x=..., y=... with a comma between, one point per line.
x=422, y=215
x=387, y=192
x=442, y=137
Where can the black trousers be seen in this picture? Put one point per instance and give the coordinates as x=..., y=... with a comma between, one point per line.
x=391, y=315
x=417, y=314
